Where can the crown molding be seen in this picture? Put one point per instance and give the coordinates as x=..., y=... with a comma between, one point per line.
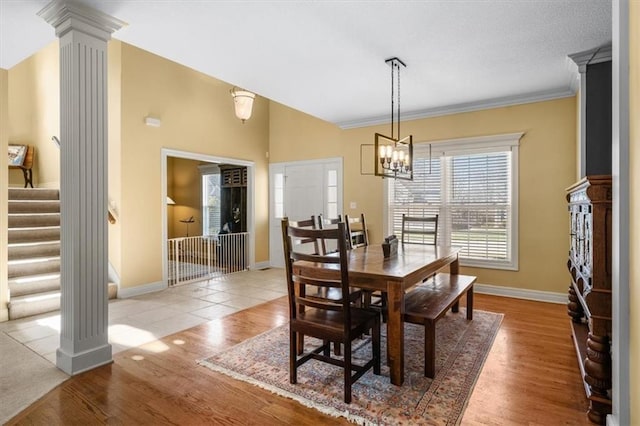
x=464, y=107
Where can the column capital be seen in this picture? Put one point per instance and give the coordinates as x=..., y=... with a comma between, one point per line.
x=67, y=15
x=590, y=57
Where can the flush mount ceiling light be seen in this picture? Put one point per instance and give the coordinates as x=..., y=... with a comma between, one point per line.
x=394, y=156
x=243, y=102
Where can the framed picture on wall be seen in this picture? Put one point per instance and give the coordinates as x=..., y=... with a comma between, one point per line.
x=17, y=154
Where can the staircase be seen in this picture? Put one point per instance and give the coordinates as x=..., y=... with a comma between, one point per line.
x=33, y=266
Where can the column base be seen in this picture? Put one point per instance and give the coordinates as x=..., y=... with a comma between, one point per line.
x=73, y=364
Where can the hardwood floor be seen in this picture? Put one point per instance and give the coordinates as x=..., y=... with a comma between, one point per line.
x=531, y=377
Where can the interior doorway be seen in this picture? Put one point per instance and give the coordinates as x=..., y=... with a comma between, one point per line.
x=208, y=223
x=299, y=190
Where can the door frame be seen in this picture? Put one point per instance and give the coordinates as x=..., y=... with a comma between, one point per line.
x=165, y=153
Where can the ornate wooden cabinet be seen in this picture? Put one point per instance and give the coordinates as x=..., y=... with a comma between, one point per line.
x=590, y=290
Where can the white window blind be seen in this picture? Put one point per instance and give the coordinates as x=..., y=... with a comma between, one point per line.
x=471, y=188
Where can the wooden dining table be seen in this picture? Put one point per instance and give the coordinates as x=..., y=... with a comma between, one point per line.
x=369, y=269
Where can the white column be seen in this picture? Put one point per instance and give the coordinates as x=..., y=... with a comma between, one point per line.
x=83, y=34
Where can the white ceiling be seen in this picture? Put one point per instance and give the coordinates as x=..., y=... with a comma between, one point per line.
x=327, y=58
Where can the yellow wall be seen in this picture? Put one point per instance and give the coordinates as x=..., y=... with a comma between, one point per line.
x=4, y=176
x=34, y=114
x=634, y=207
x=185, y=186
x=197, y=116
x=547, y=166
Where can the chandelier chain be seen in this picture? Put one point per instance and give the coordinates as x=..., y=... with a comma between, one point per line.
x=398, y=100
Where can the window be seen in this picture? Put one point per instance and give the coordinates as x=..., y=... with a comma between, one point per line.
x=210, y=200
x=472, y=185
x=332, y=194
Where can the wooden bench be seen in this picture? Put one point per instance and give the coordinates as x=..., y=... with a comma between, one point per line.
x=429, y=302
x=26, y=167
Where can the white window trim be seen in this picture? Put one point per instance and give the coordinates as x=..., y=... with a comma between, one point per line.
x=473, y=145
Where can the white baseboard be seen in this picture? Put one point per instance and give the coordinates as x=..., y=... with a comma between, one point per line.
x=260, y=265
x=519, y=293
x=125, y=293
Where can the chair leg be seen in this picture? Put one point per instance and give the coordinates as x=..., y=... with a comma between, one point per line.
x=293, y=357
x=384, y=307
x=300, y=343
x=336, y=348
x=375, y=341
x=326, y=351
x=347, y=373
x=429, y=349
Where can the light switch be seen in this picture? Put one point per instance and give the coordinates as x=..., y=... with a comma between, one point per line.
x=353, y=205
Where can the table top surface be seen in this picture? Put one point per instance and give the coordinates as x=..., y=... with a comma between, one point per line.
x=412, y=260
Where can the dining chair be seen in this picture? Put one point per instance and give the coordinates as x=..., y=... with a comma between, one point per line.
x=419, y=230
x=310, y=245
x=318, y=246
x=324, y=224
x=359, y=237
x=325, y=319
x=357, y=231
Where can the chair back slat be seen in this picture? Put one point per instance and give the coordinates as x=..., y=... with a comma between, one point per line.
x=324, y=223
x=420, y=229
x=308, y=244
x=357, y=231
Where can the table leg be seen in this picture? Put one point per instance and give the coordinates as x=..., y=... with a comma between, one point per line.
x=395, y=332
x=454, y=267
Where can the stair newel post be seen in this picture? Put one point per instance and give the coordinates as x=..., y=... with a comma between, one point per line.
x=83, y=33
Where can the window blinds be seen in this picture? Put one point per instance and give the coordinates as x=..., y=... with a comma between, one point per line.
x=471, y=192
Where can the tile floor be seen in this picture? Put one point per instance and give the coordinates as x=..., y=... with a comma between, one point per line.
x=142, y=319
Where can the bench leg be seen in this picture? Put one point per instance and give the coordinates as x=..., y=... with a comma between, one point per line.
x=470, y=303
x=456, y=307
x=429, y=349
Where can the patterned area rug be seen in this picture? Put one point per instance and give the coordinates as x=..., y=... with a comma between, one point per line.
x=462, y=347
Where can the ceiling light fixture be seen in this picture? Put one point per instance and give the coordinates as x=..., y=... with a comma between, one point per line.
x=394, y=156
x=243, y=102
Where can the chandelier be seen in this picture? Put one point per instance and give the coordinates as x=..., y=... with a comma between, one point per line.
x=394, y=156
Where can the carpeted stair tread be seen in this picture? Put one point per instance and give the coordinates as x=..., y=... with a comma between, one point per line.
x=27, y=267
x=36, y=206
x=33, y=284
x=27, y=235
x=33, y=194
x=33, y=250
x=29, y=220
x=33, y=304
x=33, y=254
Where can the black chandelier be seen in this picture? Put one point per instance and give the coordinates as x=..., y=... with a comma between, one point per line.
x=394, y=156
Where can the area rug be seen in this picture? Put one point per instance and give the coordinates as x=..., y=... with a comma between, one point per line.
x=462, y=347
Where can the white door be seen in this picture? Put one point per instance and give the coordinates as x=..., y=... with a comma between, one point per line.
x=298, y=191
